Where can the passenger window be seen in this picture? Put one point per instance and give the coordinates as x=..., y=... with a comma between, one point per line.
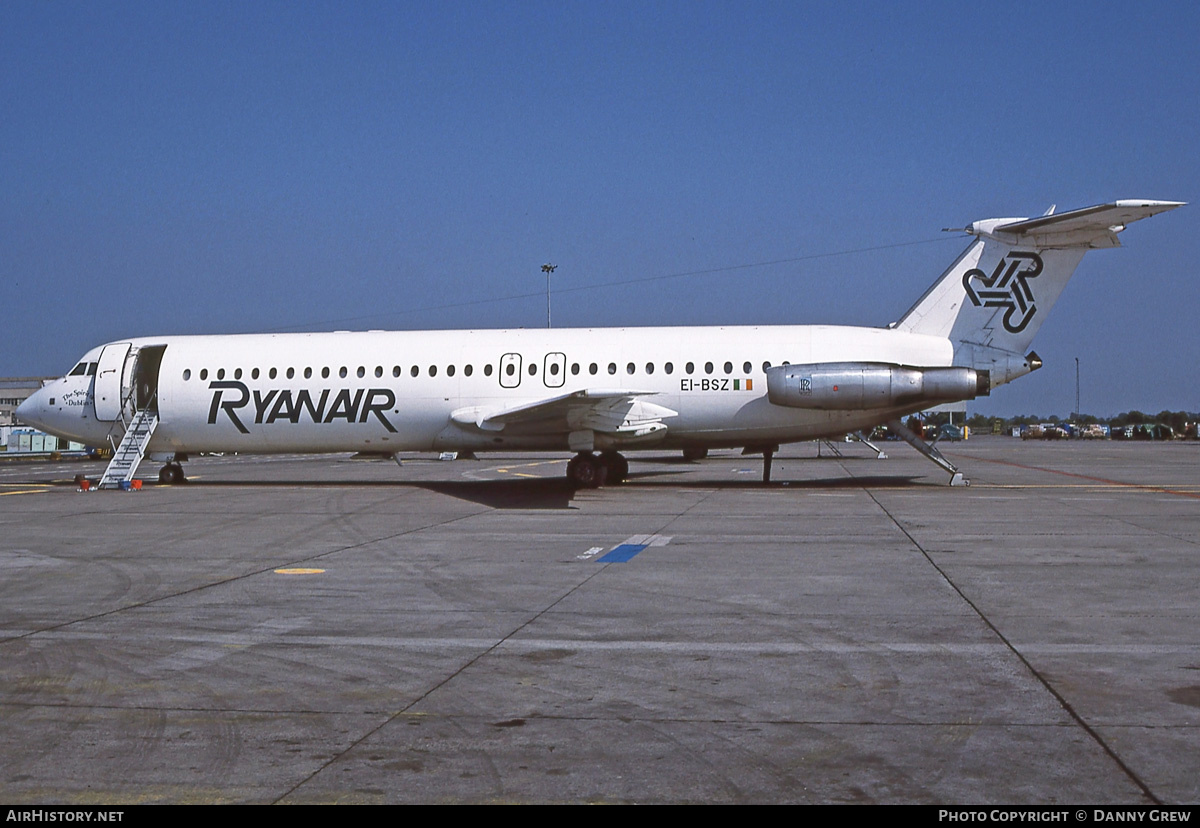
x=378, y=370
x=669, y=368
x=203, y=373
x=449, y=370
x=325, y=372
x=689, y=368
x=487, y=370
x=342, y=372
x=308, y=373
x=630, y=368
x=612, y=367
x=433, y=370
x=254, y=374
x=747, y=367
x=708, y=366
x=592, y=369
x=395, y=370
x=237, y=374
x=574, y=368
x=468, y=370
x=291, y=372
x=728, y=367
x=187, y=374
x=362, y=372
x=649, y=367
x=766, y=365
x=220, y=373
x=273, y=373
x=414, y=370
x=532, y=369
x=554, y=369
x=510, y=369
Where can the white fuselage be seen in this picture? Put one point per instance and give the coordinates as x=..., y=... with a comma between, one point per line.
x=585, y=390
x=396, y=391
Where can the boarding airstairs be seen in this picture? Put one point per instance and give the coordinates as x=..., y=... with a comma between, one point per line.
x=128, y=455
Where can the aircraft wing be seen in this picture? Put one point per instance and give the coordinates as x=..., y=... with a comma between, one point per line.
x=619, y=411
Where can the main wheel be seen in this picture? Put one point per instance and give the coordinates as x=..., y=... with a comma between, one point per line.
x=171, y=473
x=586, y=471
x=616, y=465
x=694, y=454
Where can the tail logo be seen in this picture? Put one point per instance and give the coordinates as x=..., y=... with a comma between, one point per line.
x=1007, y=287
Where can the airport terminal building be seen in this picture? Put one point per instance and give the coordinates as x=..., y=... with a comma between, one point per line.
x=15, y=436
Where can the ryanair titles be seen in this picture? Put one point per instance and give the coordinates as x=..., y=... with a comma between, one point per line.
x=231, y=397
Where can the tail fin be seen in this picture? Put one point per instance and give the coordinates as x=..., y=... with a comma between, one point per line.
x=991, y=302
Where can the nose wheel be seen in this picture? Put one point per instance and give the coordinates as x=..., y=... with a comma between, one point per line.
x=171, y=474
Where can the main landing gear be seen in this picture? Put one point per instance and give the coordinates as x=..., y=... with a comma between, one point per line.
x=590, y=471
x=171, y=474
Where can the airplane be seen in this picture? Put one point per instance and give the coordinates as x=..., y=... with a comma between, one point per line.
x=595, y=392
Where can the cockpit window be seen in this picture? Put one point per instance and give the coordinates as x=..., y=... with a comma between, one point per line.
x=79, y=370
x=91, y=369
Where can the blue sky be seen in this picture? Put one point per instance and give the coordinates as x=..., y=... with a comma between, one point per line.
x=233, y=167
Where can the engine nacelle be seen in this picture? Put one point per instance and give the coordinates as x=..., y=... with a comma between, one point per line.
x=857, y=386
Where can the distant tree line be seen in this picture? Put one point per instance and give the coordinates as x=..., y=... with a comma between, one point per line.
x=1177, y=420
x=1181, y=422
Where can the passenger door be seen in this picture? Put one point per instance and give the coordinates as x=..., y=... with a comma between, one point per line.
x=106, y=393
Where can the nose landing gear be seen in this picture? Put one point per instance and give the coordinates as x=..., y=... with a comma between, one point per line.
x=171, y=474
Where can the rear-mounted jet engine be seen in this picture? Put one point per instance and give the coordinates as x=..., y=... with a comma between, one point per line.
x=857, y=386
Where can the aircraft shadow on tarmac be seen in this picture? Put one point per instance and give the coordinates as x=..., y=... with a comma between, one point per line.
x=556, y=493
x=553, y=493
x=781, y=482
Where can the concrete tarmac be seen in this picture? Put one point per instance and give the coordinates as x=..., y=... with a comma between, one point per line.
x=327, y=629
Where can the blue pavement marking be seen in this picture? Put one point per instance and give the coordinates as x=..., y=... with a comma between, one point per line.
x=622, y=553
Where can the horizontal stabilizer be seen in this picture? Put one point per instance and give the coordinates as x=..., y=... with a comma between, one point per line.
x=1099, y=217
x=1088, y=227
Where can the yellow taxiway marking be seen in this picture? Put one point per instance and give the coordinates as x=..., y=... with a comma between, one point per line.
x=507, y=469
x=299, y=570
x=25, y=491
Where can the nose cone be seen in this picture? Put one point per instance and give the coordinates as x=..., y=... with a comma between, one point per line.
x=34, y=409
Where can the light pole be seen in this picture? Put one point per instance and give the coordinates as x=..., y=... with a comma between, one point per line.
x=548, y=269
x=1077, y=415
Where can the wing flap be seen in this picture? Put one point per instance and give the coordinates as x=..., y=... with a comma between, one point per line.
x=605, y=410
